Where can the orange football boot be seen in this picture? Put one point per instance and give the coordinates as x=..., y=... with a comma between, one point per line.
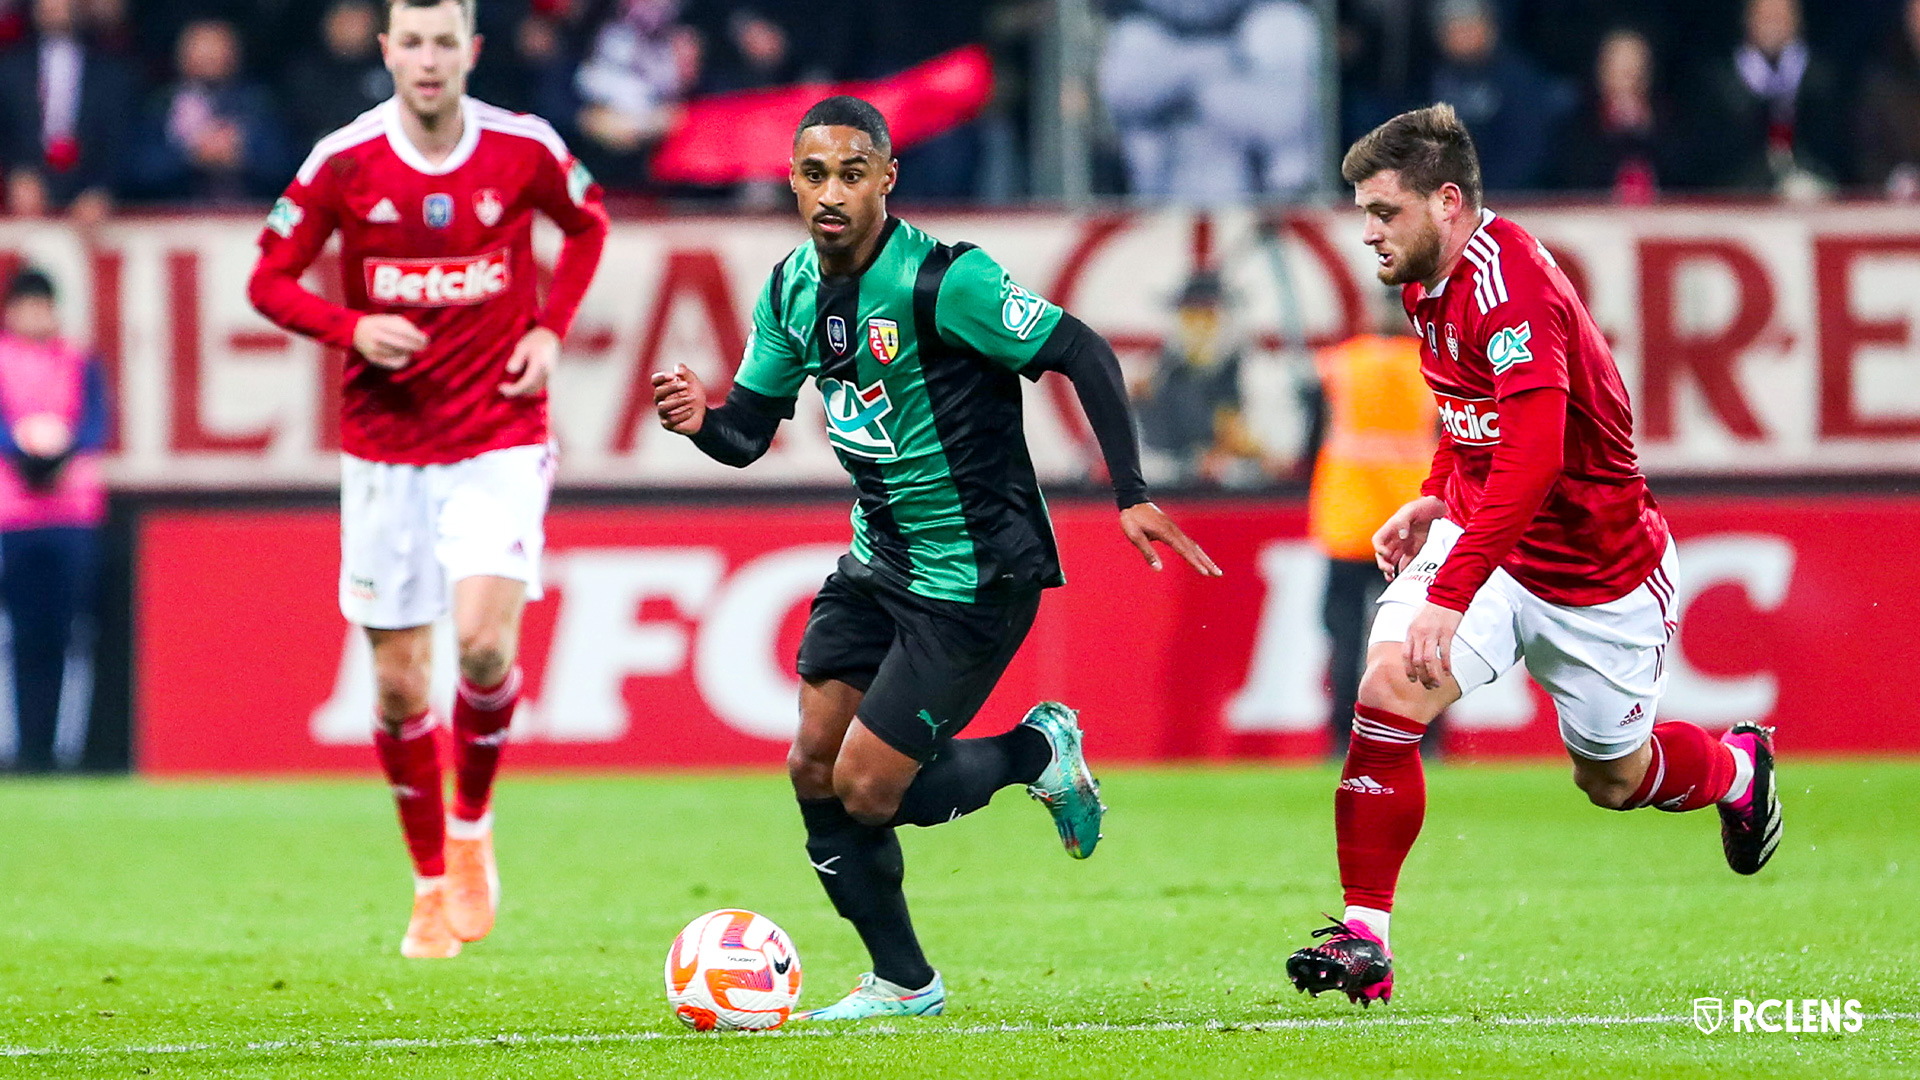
x=473, y=879
x=428, y=935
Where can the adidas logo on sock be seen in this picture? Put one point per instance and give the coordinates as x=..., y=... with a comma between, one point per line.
x=1365, y=785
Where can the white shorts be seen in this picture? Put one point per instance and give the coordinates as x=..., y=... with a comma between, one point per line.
x=1604, y=666
x=407, y=532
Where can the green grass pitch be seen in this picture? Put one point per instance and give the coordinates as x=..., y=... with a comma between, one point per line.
x=250, y=929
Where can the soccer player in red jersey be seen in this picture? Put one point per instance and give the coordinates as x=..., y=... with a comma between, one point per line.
x=1534, y=540
x=446, y=463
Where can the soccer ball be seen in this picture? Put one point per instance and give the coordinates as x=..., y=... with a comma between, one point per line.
x=732, y=970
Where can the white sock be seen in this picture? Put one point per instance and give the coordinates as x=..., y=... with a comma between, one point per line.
x=899, y=991
x=1742, y=776
x=469, y=830
x=424, y=885
x=1372, y=918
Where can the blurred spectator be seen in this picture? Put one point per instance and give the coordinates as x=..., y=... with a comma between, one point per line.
x=1216, y=100
x=1378, y=429
x=1191, y=419
x=213, y=135
x=1513, y=110
x=63, y=112
x=330, y=85
x=532, y=74
x=751, y=50
x=1622, y=141
x=1772, y=117
x=53, y=422
x=1888, y=126
x=641, y=65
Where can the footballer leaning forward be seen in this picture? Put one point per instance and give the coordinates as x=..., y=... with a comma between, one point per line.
x=917, y=348
x=1534, y=541
x=446, y=461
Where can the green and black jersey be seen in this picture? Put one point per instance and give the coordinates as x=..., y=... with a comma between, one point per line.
x=916, y=357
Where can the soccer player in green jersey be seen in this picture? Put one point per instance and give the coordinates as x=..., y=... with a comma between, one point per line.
x=916, y=347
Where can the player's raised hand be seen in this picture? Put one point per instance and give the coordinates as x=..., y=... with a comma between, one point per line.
x=532, y=362
x=1397, y=542
x=1145, y=523
x=387, y=341
x=680, y=400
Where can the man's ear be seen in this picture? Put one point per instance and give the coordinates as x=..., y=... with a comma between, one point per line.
x=893, y=175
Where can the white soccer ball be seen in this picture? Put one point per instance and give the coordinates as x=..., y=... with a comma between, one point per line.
x=734, y=971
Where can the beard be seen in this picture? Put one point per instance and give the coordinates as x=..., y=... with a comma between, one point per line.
x=1418, y=261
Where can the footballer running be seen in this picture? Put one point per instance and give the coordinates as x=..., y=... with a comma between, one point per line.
x=1534, y=540
x=917, y=348
x=446, y=461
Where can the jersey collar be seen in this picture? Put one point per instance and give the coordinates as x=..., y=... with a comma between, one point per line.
x=887, y=229
x=1486, y=219
x=404, y=149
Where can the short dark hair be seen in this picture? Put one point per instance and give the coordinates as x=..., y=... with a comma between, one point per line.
x=29, y=282
x=467, y=8
x=1427, y=147
x=845, y=110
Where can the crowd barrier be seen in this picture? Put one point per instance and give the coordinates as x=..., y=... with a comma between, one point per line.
x=668, y=632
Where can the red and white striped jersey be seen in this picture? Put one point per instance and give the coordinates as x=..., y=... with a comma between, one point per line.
x=1507, y=320
x=449, y=246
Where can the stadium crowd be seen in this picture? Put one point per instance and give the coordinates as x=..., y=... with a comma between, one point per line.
x=109, y=102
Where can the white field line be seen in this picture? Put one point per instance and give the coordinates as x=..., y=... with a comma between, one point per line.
x=512, y=1039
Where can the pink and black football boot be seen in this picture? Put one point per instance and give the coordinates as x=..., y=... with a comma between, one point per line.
x=1750, y=827
x=1351, y=960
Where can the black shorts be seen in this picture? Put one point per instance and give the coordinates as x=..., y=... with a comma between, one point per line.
x=926, y=666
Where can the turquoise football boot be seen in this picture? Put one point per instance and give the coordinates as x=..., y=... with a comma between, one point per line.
x=1066, y=786
x=876, y=998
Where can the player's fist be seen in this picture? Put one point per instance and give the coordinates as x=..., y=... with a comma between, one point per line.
x=1405, y=533
x=680, y=400
x=532, y=362
x=387, y=341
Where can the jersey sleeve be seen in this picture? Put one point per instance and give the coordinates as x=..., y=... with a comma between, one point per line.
x=1524, y=330
x=566, y=192
x=981, y=307
x=772, y=365
x=298, y=226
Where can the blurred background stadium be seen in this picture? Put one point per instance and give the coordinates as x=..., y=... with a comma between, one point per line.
x=1734, y=185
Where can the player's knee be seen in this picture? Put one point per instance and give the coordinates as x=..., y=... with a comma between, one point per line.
x=812, y=776
x=400, y=695
x=485, y=655
x=1385, y=687
x=869, y=801
x=1605, y=791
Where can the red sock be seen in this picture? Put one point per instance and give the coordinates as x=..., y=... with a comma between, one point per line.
x=1379, y=806
x=1690, y=770
x=480, y=719
x=411, y=761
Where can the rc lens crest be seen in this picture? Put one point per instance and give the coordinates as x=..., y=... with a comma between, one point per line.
x=883, y=339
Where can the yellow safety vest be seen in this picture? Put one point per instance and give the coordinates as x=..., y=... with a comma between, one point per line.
x=1379, y=441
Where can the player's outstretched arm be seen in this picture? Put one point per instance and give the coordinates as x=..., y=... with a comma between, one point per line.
x=737, y=433
x=1085, y=358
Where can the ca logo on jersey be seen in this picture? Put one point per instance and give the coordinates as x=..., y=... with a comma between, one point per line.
x=1509, y=347
x=1021, y=311
x=883, y=339
x=854, y=418
x=285, y=217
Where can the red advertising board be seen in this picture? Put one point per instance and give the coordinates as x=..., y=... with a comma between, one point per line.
x=668, y=632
